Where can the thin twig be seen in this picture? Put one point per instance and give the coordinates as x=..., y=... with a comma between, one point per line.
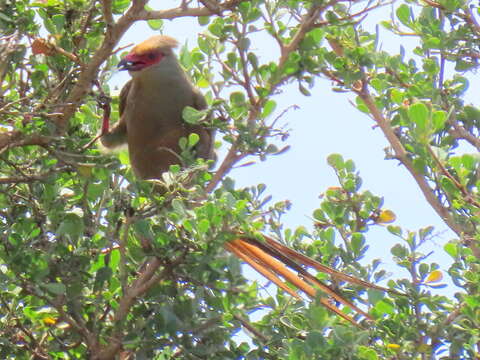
x=233, y=156
x=251, y=328
x=123, y=240
x=467, y=196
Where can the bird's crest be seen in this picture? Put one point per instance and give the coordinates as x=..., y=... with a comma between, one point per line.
x=156, y=42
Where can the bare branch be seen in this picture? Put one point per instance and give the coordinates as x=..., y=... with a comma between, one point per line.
x=467, y=196
x=16, y=138
x=459, y=131
x=187, y=12
x=306, y=25
x=251, y=329
x=107, y=12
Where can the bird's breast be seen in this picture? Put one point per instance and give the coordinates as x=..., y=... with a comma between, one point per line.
x=157, y=107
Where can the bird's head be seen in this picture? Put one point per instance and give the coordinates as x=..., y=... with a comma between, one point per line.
x=148, y=53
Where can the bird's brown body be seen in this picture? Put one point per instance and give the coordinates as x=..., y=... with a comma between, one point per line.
x=151, y=107
x=151, y=123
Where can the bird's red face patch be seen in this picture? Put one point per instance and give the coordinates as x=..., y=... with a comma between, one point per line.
x=136, y=62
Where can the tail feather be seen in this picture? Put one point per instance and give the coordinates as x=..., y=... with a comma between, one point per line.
x=309, y=262
x=281, y=264
x=260, y=260
x=249, y=259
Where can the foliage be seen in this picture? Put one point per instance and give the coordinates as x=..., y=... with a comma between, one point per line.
x=95, y=264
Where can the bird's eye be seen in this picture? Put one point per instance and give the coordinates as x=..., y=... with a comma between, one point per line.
x=151, y=56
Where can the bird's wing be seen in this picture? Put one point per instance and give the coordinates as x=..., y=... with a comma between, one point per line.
x=123, y=97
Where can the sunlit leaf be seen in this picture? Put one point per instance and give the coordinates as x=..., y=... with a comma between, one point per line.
x=386, y=217
x=433, y=277
x=395, y=347
x=49, y=320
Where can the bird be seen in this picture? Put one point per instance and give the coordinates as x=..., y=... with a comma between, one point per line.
x=151, y=123
x=151, y=107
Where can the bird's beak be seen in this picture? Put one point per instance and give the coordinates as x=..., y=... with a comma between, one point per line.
x=124, y=64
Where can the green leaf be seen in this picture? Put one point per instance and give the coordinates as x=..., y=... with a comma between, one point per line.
x=203, y=83
x=418, y=113
x=319, y=215
x=237, y=98
x=175, y=168
x=243, y=44
x=303, y=90
x=254, y=14
x=6, y=18
x=217, y=27
x=71, y=226
x=335, y=161
x=384, y=307
x=403, y=14
x=451, y=249
x=469, y=162
x=365, y=353
x=397, y=96
x=395, y=230
x=59, y=21
x=119, y=6
x=178, y=206
x=103, y=274
x=193, y=139
x=438, y=120
x=203, y=226
x=142, y=227
x=375, y=296
x=192, y=115
x=50, y=26
x=433, y=43
x=183, y=142
x=55, y=288
x=124, y=158
x=357, y=242
x=361, y=105
x=448, y=185
x=420, y=165
x=203, y=20
x=268, y=108
x=399, y=251
x=155, y=24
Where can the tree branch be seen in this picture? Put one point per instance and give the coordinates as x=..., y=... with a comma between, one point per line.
x=140, y=286
x=402, y=156
x=187, y=12
x=233, y=156
x=107, y=12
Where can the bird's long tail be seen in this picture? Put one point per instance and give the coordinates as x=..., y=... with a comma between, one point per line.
x=283, y=265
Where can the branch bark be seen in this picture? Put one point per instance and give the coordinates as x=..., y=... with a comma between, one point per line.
x=402, y=155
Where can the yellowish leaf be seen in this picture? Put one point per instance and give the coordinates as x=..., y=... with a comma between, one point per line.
x=49, y=320
x=85, y=170
x=393, y=347
x=434, y=276
x=386, y=217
